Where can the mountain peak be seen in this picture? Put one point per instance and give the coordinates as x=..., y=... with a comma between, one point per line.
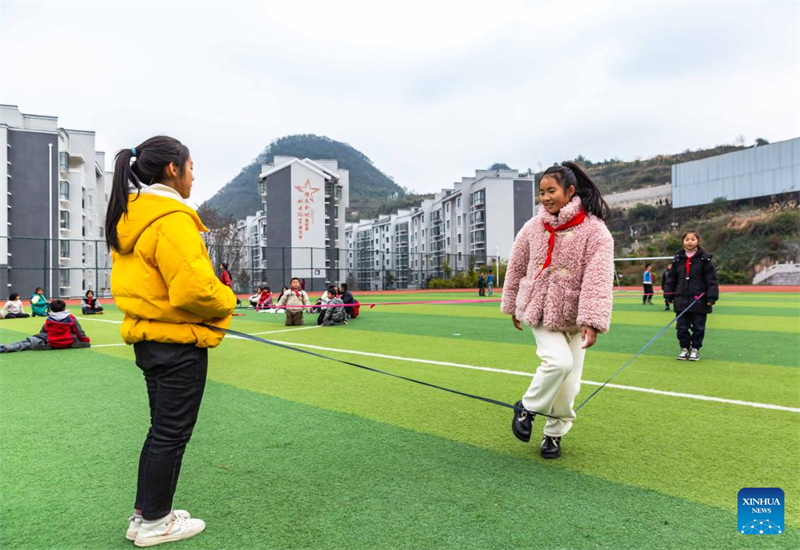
x=368, y=185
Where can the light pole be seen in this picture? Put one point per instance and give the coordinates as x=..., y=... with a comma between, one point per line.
x=50, y=240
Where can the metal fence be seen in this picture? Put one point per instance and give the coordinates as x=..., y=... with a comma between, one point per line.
x=62, y=267
x=70, y=267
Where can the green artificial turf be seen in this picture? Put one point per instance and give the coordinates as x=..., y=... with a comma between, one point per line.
x=293, y=451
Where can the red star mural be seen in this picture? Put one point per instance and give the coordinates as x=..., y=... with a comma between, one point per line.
x=307, y=190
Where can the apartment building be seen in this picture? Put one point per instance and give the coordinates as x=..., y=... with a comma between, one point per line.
x=52, y=205
x=465, y=227
x=305, y=202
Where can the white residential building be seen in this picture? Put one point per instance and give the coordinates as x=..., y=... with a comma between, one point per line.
x=305, y=202
x=52, y=205
x=460, y=228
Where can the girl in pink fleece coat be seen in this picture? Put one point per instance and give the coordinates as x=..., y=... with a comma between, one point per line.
x=559, y=282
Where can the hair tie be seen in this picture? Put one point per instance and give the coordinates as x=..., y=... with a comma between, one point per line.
x=133, y=152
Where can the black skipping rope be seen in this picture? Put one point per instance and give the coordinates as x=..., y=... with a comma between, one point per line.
x=449, y=390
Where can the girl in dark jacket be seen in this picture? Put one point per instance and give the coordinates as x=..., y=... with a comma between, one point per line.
x=691, y=274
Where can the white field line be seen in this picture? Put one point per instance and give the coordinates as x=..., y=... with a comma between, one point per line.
x=694, y=396
x=530, y=374
x=285, y=330
x=99, y=320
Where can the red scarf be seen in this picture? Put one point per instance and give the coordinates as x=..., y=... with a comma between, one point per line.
x=689, y=262
x=577, y=220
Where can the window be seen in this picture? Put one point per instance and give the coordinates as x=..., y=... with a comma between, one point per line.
x=64, y=249
x=458, y=202
x=63, y=278
x=448, y=242
x=63, y=190
x=447, y=208
x=447, y=225
x=64, y=219
x=459, y=221
x=63, y=162
x=459, y=238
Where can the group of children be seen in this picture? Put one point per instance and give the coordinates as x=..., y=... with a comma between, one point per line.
x=61, y=330
x=690, y=283
x=294, y=300
x=40, y=305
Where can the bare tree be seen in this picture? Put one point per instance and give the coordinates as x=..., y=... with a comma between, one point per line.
x=224, y=245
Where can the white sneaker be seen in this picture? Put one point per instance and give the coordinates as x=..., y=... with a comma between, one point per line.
x=136, y=522
x=694, y=354
x=683, y=355
x=171, y=528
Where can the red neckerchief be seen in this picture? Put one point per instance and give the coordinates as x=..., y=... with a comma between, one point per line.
x=297, y=293
x=689, y=262
x=576, y=220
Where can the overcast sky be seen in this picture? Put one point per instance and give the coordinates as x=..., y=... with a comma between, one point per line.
x=429, y=91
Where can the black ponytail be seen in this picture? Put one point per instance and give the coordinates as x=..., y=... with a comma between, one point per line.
x=568, y=173
x=152, y=157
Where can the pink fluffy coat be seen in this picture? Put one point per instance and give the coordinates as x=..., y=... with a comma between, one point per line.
x=576, y=289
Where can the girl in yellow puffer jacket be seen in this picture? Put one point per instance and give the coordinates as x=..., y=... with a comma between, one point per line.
x=163, y=281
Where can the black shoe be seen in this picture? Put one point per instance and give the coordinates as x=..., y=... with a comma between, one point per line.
x=522, y=423
x=551, y=447
x=666, y=308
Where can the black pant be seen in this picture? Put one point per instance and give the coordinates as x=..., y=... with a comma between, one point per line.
x=89, y=311
x=647, y=297
x=16, y=315
x=694, y=322
x=176, y=377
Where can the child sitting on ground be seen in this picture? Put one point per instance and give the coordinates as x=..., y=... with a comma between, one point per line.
x=334, y=315
x=294, y=298
x=90, y=304
x=13, y=309
x=60, y=331
x=39, y=304
x=254, y=298
x=264, y=303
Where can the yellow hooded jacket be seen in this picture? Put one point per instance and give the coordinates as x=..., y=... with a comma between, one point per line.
x=162, y=278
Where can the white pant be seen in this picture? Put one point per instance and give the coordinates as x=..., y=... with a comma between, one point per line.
x=557, y=380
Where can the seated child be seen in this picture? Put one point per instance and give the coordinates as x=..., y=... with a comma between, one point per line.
x=13, y=309
x=60, y=331
x=254, y=298
x=90, y=305
x=39, y=304
x=264, y=300
x=321, y=301
x=334, y=315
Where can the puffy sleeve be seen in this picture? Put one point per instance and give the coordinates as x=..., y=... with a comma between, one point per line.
x=517, y=268
x=597, y=288
x=711, y=282
x=185, y=267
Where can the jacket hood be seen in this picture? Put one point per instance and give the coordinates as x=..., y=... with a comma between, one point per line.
x=59, y=316
x=144, y=209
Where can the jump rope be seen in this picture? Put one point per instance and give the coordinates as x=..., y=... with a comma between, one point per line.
x=442, y=388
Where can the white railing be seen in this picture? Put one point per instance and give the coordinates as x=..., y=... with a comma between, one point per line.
x=768, y=272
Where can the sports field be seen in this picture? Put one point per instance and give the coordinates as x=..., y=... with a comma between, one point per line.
x=292, y=451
